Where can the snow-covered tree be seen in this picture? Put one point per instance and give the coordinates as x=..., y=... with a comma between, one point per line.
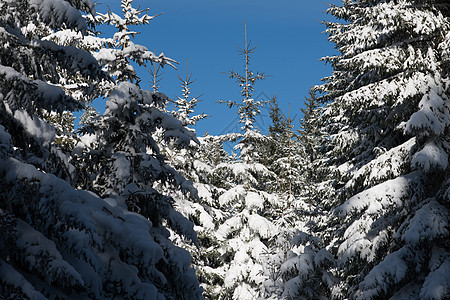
x=388, y=118
x=295, y=246
x=313, y=147
x=184, y=106
x=58, y=241
x=304, y=271
x=282, y=152
x=243, y=235
x=33, y=86
x=212, y=150
x=248, y=108
x=183, y=158
x=196, y=163
x=116, y=58
x=204, y=211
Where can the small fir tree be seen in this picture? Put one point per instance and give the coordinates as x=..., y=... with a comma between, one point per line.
x=247, y=231
x=184, y=106
x=248, y=108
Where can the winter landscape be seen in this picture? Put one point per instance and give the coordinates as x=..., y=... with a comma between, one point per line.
x=350, y=200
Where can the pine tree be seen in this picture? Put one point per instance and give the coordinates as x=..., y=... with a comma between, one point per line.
x=387, y=116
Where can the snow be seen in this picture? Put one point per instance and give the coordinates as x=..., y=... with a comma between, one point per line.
x=291, y=263
x=5, y=138
x=42, y=257
x=429, y=222
x=18, y=170
x=9, y=276
x=179, y=222
x=434, y=112
x=105, y=55
x=98, y=224
x=409, y=291
x=402, y=89
x=202, y=167
x=263, y=227
x=385, y=166
x=437, y=283
x=380, y=196
x=70, y=37
x=232, y=195
x=57, y=12
x=228, y=227
x=203, y=190
x=69, y=242
x=359, y=236
x=431, y=156
x=254, y=201
x=387, y=235
x=42, y=93
x=244, y=291
x=122, y=166
x=243, y=172
x=390, y=271
x=323, y=255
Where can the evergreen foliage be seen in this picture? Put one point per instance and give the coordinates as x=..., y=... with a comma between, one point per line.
x=132, y=205
x=116, y=58
x=387, y=116
x=299, y=264
x=283, y=156
x=248, y=108
x=59, y=239
x=184, y=106
x=246, y=233
x=313, y=147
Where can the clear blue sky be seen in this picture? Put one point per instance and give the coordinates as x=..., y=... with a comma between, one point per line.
x=290, y=43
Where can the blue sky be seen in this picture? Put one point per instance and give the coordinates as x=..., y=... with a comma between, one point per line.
x=287, y=33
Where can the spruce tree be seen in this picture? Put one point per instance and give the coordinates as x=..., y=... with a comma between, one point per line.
x=387, y=116
x=59, y=241
x=277, y=137
x=184, y=106
x=197, y=162
x=305, y=272
x=248, y=108
x=156, y=76
x=283, y=152
x=246, y=234
x=116, y=58
x=313, y=147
